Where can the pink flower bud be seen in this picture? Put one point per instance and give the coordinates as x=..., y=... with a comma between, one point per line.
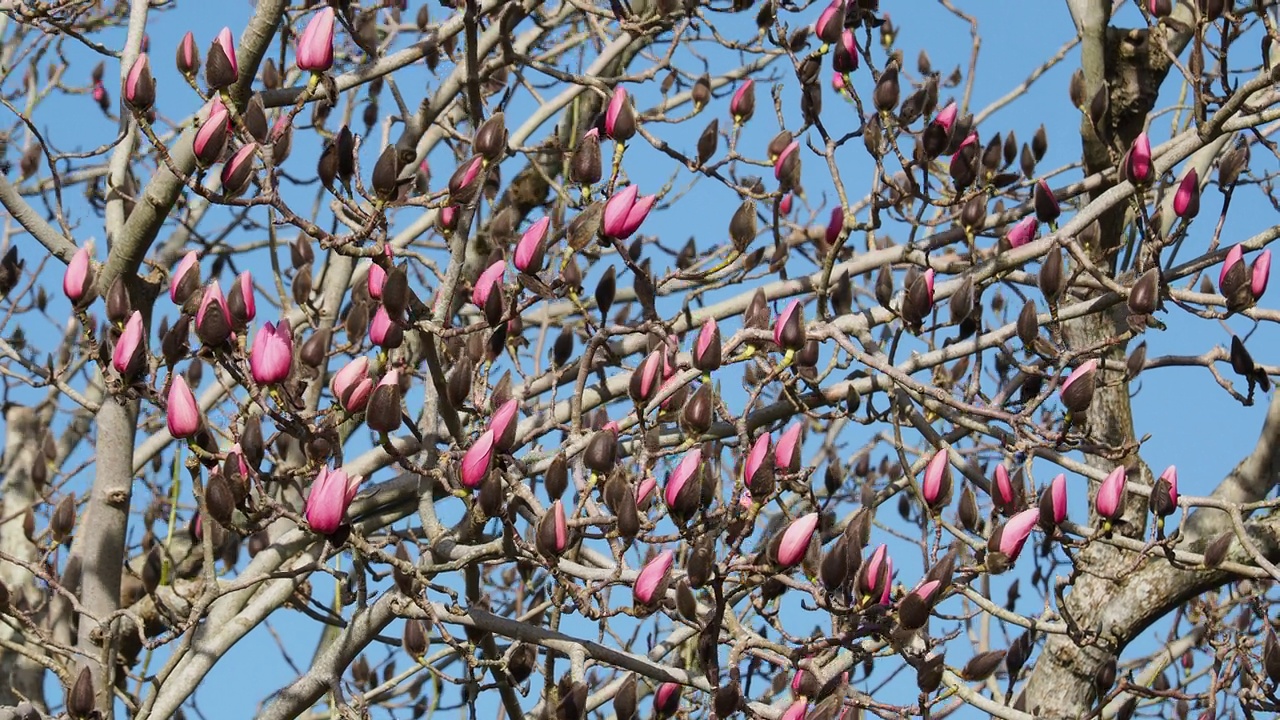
x=779, y=164
x=1079, y=398
x=786, y=454
x=784, y=206
x=617, y=108
x=1013, y=534
x=213, y=320
x=228, y=44
x=377, y=276
x=1110, y=499
x=77, y=281
x=236, y=172
x=706, y=349
x=1023, y=232
x=489, y=280
x=331, y=494
x=1234, y=255
x=788, y=330
x=796, y=710
x=644, y=380
x=1167, y=483
x=476, y=461
x=352, y=385
x=937, y=480
x=188, y=58
x=1260, y=274
x=666, y=699
x=315, y=44
x=835, y=225
x=1002, y=488
x=1053, y=505
x=624, y=212
x=1186, y=202
x=139, y=87
x=530, y=249
x=129, y=355
x=645, y=490
x=755, y=458
x=185, y=279
x=681, y=476
x=241, y=303
x=845, y=58
x=743, y=104
x=946, y=118
x=653, y=578
x=503, y=425
x=830, y=23
x=1137, y=162
x=211, y=136
x=381, y=327
x=795, y=540
x=182, y=414
x=271, y=357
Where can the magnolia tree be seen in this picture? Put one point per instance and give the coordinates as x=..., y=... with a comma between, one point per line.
x=392, y=376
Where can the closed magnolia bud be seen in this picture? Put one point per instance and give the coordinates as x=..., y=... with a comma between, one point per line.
x=887, y=90
x=523, y=656
x=119, y=308
x=968, y=510
x=601, y=453
x=1144, y=298
x=697, y=414
x=585, y=166
x=414, y=639
x=701, y=92
x=742, y=227
x=63, y=520
x=1028, y=325
x=1051, y=279
x=556, y=478
x=219, y=498
x=884, y=286
x=982, y=665
x=385, y=173
x=384, y=408
x=606, y=289
x=491, y=139
x=624, y=700
x=80, y=700
x=709, y=141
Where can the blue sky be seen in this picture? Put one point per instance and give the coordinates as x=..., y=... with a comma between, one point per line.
x=1188, y=419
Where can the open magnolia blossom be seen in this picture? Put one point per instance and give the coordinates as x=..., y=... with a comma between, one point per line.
x=639, y=361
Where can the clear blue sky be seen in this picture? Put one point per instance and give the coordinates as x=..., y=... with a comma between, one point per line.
x=1190, y=421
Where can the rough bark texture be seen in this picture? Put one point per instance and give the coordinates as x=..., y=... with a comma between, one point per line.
x=20, y=677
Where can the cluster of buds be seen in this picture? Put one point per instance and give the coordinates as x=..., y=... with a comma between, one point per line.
x=1243, y=286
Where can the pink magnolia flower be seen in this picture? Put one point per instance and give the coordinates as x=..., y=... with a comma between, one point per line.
x=1137, y=162
x=755, y=458
x=1186, y=201
x=315, y=44
x=874, y=580
x=706, y=350
x=796, y=710
x=645, y=490
x=666, y=699
x=139, y=87
x=271, y=357
x=946, y=118
x=228, y=44
x=235, y=173
x=1013, y=534
x=182, y=414
x=683, y=473
x=786, y=454
x=845, y=58
x=381, y=326
x=1053, y=504
x=352, y=385
x=617, y=104
x=1002, y=488
x=1260, y=274
x=331, y=494
x=530, y=249
x=644, y=380
x=557, y=539
x=188, y=58
x=211, y=137
x=795, y=540
x=928, y=284
x=213, y=320
x=241, y=303
x=1168, y=484
x=937, y=479
x=77, y=281
x=1110, y=499
x=625, y=212
x=1234, y=255
x=377, y=276
x=653, y=578
x=830, y=23
x=503, y=424
x=476, y=461
x=743, y=103
x=789, y=339
x=129, y=354
x=779, y=164
x=1023, y=232
x=489, y=280
x=180, y=285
